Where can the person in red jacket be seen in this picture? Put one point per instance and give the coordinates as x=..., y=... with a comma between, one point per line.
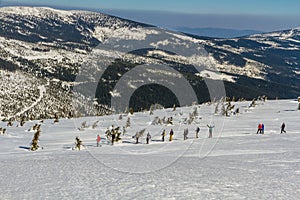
x=259, y=128
x=98, y=140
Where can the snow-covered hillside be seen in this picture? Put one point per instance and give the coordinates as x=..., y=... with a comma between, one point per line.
x=50, y=48
x=236, y=163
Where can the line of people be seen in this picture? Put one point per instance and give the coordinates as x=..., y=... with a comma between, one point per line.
x=171, y=134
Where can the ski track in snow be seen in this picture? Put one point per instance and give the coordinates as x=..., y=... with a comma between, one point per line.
x=235, y=164
x=42, y=90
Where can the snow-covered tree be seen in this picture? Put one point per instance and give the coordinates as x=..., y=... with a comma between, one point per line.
x=95, y=125
x=22, y=120
x=139, y=135
x=2, y=131
x=131, y=111
x=34, y=144
x=120, y=117
x=174, y=107
x=128, y=123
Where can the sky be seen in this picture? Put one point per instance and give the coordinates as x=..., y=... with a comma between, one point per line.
x=263, y=15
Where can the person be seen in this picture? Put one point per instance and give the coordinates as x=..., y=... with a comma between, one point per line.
x=78, y=143
x=282, y=128
x=259, y=128
x=171, y=135
x=98, y=140
x=137, y=136
x=163, y=135
x=148, y=138
x=185, y=133
x=262, y=128
x=197, y=132
x=210, y=130
x=113, y=137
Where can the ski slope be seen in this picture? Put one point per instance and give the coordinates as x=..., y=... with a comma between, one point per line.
x=235, y=164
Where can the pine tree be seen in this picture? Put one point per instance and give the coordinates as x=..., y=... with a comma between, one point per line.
x=56, y=118
x=128, y=123
x=131, y=111
x=120, y=117
x=95, y=125
x=22, y=121
x=34, y=144
x=174, y=107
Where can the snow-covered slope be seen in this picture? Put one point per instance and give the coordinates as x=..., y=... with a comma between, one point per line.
x=235, y=164
x=53, y=47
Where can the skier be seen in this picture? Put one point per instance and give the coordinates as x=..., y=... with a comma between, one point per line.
x=163, y=135
x=210, y=129
x=197, y=132
x=171, y=135
x=148, y=138
x=259, y=128
x=262, y=129
x=185, y=133
x=282, y=128
x=98, y=140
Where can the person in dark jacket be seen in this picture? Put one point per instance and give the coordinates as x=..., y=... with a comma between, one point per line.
x=163, y=135
x=197, y=132
x=185, y=134
x=148, y=138
x=171, y=135
x=282, y=128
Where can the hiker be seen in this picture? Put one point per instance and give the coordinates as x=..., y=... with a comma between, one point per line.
x=77, y=143
x=113, y=137
x=185, y=133
x=259, y=128
x=282, y=128
x=197, y=132
x=210, y=130
x=163, y=135
x=171, y=135
x=98, y=140
x=148, y=138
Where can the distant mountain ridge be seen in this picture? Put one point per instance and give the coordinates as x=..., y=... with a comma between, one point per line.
x=42, y=51
x=218, y=32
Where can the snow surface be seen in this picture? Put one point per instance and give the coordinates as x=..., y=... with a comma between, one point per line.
x=235, y=164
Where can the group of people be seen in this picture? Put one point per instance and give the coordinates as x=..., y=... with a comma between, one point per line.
x=171, y=134
x=210, y=131
x=261, y=128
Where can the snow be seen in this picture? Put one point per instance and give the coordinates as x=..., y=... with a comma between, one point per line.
x=235, y=164
x=33, y=11
x=216, y=76
x=125, y=33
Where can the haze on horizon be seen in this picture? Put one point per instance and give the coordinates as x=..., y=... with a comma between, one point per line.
x=267, y=15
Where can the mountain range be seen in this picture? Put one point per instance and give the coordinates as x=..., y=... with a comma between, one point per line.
x=218, y=32
x=45, y=53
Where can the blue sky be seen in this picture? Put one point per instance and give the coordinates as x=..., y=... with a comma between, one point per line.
x=237, y=14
